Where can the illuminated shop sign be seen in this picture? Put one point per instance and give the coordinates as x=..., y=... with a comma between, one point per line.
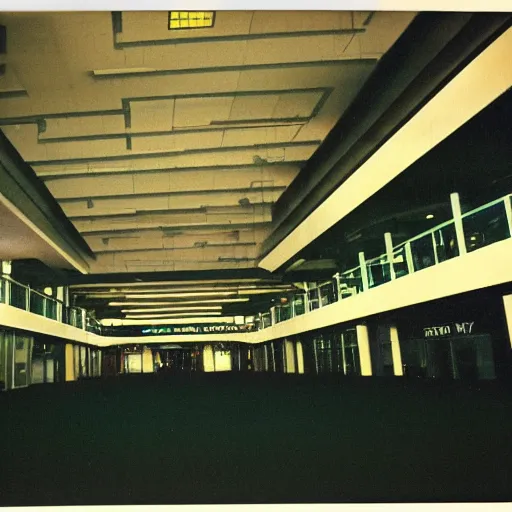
x=448, y=329
x=197, y=329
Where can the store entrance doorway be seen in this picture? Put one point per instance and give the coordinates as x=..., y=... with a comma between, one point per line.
x=177, y=359
x=461, y=358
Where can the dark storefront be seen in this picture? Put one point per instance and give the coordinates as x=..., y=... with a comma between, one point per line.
x=462, y=337
x=48, y=361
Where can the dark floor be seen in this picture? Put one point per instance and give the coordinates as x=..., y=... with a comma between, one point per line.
x=232, y=438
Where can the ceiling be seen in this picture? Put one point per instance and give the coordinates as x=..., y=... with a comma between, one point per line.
x=475, y=163
x=17, y=240
x=167, y=149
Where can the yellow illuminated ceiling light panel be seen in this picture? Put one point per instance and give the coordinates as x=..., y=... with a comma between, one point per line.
x=179, y=20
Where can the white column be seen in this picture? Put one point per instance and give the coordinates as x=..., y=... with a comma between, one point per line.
x=300, y=357
x=60, y=297
x=389, y=252
x=507, y=303
x=290, y=357
x=398, y=369
x=364, y=271
x=6, y=269
x=434, y=247
x=363, y=343
x=457, y=218
x=338, y=291
x=306, y=298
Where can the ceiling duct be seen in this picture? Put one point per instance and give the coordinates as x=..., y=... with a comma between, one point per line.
x=226, y=259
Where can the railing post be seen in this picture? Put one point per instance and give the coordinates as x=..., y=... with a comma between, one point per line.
x=273, y=315
x=306, y=298
x=318, y=295
x=508, y=211
x=408, y=258
x=389, y=252
x=457, y=220
x=7, y=291
x=84, y=319
x=363, y=343
x=27, y=298
x=434, y=247
x=44, y=306
x=338, y=290
x=364, y=271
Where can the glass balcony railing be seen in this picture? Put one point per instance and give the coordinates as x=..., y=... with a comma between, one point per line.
x=23, y=297
x=481, y=227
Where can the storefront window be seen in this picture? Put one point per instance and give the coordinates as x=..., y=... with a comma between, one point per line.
x=3, y=355
x=386, y=358
x=22, y=352
x=350, y=352
x=328, y=354
x=464, y=358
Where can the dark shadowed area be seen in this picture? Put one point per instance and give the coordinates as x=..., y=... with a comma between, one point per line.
x=249, y=438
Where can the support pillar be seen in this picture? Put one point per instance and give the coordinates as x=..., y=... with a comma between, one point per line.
x=6, y=269
x=290, y=357
x=398, y=368
x=69, y=358
x=363, y=343
x=507, y=303
x=60, y=295
x=300, y=357
x=508, y=212
x=306, y=298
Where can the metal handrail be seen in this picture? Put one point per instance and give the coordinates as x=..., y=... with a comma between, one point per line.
x=430, y=231
x=29, y=290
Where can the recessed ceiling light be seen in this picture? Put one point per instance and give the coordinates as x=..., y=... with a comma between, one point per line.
x=430, y=216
